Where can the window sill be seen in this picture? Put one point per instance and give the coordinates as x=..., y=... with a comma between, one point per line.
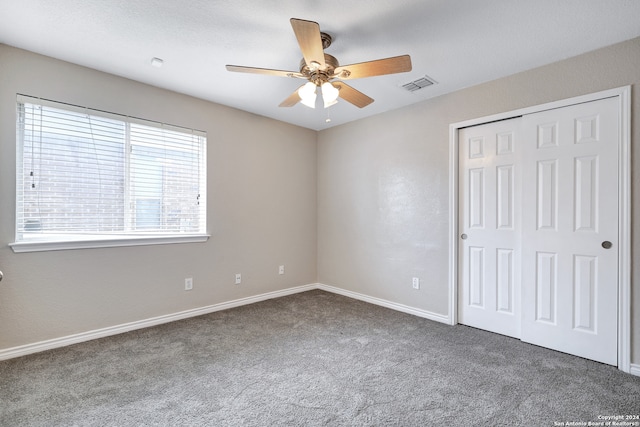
x=109, y=242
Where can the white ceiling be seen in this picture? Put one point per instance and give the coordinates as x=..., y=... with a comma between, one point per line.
x=457, y=43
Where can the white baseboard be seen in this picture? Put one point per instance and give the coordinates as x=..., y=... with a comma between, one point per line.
x=388, y=304
x=24, y=350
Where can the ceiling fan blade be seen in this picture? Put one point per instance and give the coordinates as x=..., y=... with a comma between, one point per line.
x=267, y=71
x=396, y=64
x=310, y=41
x=292, y=100
x=352, y=95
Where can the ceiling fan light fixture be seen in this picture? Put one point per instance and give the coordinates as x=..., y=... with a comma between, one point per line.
x=319, y=68
x=308, y=94
x=329, y=94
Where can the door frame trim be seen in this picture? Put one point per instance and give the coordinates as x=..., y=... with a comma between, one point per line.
x=624, y=206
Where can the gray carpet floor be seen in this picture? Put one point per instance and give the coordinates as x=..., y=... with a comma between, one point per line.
x=310, y=359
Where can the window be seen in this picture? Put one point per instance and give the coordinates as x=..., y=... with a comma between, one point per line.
x=88, y=178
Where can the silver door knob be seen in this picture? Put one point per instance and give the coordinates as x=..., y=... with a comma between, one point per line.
x=607, y=244
x=463, y=236
x=1, y=276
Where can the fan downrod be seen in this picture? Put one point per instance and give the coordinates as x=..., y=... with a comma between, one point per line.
x=326, y=39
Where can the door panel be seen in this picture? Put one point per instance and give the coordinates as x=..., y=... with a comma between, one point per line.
x=569, y=281
x=505, y=281
x=584, y=286
x=546, y=288
x=505, y=197
x=476, y=277
x=547, y=195
x=586, y=170
x=489, y=203
x=476, y=198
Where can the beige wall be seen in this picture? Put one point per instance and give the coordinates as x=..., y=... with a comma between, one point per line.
x=262, y=213
x=383, y=182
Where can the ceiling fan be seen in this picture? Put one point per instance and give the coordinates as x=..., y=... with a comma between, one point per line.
x=323, y=70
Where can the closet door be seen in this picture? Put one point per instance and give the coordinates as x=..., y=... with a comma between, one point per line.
x=489, y=223
x=570, y=229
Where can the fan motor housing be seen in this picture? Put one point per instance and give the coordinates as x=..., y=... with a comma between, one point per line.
x=320, y=76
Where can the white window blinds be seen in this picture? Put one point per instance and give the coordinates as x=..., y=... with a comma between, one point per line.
x=84, y=174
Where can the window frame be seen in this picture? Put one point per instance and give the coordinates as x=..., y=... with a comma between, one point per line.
x=122, y=238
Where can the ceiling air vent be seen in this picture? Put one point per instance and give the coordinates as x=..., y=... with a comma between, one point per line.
x=418, y=84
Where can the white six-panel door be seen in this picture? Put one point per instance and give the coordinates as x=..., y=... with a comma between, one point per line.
x=538, y=227
x=489, y=227
x=570, y=230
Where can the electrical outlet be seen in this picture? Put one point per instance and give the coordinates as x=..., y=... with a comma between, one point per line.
x=188, y=283
x=281, y=269
x=238, y=278
x=416, y=283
